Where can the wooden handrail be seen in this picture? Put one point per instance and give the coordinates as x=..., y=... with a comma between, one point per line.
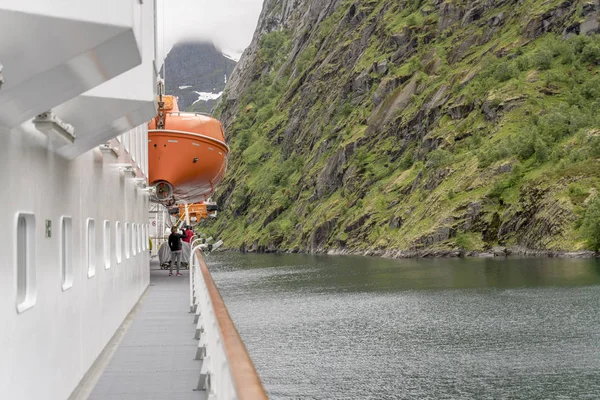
x=245, y=378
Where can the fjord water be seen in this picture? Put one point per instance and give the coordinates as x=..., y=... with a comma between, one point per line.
x=338, y=327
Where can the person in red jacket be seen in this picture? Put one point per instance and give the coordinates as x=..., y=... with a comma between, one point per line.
x=188, y=234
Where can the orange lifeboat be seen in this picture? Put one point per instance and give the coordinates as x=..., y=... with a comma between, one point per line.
x=198, y=212
x=187, y=153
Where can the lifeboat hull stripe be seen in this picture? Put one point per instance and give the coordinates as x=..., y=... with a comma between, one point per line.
x=191, y=134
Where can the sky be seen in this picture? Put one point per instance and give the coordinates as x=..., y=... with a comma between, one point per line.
x=229, y=24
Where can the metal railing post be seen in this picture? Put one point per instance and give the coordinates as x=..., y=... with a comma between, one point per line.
x=193, y=304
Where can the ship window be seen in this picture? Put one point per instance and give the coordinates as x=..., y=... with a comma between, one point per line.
x=127, y=238
x=91, y=247
x=133, y=144
x=26, y=284
x=66, y=253
x=106, y=244
x=133, y=239
x=143, y=237
x=144, y=148
x=138, y=146
x=118, y=241
x=126, y=143
x=139, y=237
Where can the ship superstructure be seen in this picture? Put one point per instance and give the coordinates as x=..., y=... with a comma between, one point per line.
x=78, y=88
x=78, y=85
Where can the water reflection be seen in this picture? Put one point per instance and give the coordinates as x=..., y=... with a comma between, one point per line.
x=304, y=272
x=324, y=327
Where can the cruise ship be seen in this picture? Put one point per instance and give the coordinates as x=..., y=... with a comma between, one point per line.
x=78, y=91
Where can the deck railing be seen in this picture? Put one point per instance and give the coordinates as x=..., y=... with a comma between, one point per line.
x=227, y=371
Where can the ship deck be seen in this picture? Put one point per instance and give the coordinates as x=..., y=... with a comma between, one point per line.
x=154, y=358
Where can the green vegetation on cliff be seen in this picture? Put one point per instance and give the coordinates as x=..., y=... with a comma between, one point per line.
x=416, y=125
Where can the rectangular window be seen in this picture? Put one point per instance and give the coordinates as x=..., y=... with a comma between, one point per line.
x=126, y=141
x=139, y=147
x=144, y=239
x=138, y=135
x=146, y=152
x=144, y=149
x=66, y=252
x=118, y=241
x=25, y=259
x=134, y=239
x=127, y=238
x=133, y=144
x=139, y=237
x=106, y=244
x=91, y=247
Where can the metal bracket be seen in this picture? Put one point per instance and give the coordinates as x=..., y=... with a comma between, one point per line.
x=140, y=182
x=55, y=128
x=126, y=169
x=149, y=190
x=106, y=148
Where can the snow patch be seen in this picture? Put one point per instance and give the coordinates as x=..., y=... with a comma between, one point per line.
x=206, y=96
x=226, y=79
x=235, y=57
x=184, y=87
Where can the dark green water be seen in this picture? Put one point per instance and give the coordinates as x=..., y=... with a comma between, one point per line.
x=325, y=327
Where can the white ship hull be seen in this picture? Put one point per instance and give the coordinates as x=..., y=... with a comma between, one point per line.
x=64, y=294
x=77, y=88
x=47, y=349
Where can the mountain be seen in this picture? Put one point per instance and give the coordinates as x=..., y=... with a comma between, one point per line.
x=197, y=73
x=418, y=127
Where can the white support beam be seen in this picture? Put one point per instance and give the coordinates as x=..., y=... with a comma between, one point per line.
x=54, y=51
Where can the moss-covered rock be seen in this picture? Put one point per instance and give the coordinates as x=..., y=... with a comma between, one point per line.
x=420, y=125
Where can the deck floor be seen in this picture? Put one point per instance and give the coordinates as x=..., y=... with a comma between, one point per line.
x=155, y=360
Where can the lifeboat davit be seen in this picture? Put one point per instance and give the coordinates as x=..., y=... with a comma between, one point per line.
x=187, y=153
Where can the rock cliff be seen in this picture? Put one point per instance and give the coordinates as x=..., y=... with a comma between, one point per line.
x=413, y=126
x=196, y=73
